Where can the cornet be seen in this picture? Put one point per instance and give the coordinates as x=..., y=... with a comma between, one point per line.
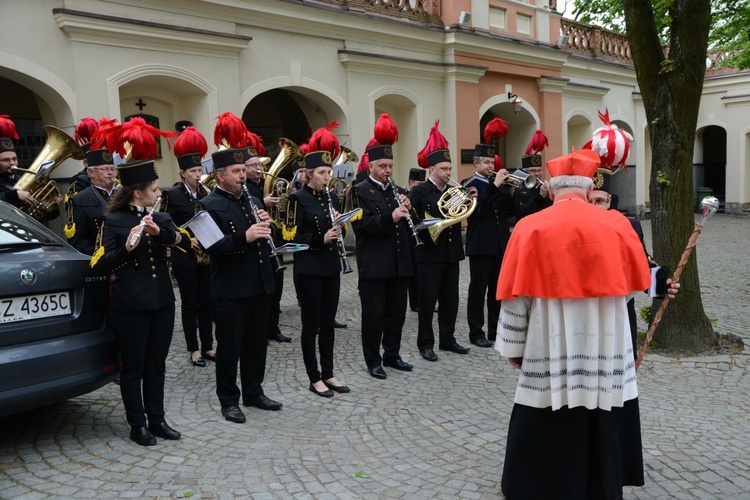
x=518, y=180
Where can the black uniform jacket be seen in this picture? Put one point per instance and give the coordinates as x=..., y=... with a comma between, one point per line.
x=382, y=245
x=141, y=279
x=529, y=201
x=487, y=233
x=450, y=248
x=78, y=183
x=312, y=220
x=85, y=211
x=8, y=193
x=178, y=202
x=238, y=269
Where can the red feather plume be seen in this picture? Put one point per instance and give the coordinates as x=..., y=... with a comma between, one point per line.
x=386, y=131
x=434, y=142
x=85, y=130
x=106, y=135
x=498, y=163
x=256, y=142
x=139, y=136
x=304, y=148
x=325, y=140
x=8, y=128
x=190, y=141
x=230, y=131
x=496, y=129
x=537, y=143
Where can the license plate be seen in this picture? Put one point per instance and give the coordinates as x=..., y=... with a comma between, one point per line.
x=34, y=306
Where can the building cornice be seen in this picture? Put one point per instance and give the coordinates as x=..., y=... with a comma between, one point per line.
x=100, y=29
x=579, y=90
x=379, y=64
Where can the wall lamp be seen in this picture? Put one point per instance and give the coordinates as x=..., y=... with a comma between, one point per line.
x=516, y=102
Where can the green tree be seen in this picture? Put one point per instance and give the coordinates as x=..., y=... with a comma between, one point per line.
x=730, y=25
x=671, y=88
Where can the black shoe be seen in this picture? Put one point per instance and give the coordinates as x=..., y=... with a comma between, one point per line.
x=325, y=394
x=233, y=414
x=208, y=357
x=163, y=430
x=198, y=361
x=142, y=436
x=429, y=354
x=378, y=372
x=458, y=349
x=398, y=364
x=263, y=402
x=281, y=338
x=342, y=389
x=482, y=342
x=338, y=324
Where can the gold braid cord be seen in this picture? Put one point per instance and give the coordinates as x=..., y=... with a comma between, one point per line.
x=675, y=279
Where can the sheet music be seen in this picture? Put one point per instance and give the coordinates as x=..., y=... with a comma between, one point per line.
x=344, y=218
x=204, y=228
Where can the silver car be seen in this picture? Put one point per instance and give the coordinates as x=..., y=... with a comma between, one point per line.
x=53, y=341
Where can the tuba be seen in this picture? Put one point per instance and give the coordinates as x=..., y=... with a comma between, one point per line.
x=58, y=148
x=274, y=184
x=455, y=205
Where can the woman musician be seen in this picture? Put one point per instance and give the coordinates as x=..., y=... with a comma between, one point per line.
x=191, y=270
x=317, y=270
x=132, y=244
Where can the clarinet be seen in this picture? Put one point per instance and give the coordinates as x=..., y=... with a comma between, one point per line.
x=417, y=241
x=277, y=262
x=346, y=268
x=137, y=235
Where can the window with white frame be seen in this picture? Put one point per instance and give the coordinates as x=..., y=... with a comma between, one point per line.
x=498, y=19
x=524, y=24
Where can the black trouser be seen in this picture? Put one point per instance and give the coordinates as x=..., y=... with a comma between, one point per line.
x=275, y=308
x=143, y=338
x=413, y=284
x=319, y=297
x=241, y=326
x=195, y=303
x=383, y=315
x=438, y=283
x=484, y=271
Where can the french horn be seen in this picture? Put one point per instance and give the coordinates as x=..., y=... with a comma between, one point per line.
x=455, y=205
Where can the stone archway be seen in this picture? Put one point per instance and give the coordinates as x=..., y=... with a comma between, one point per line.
x=521, y=129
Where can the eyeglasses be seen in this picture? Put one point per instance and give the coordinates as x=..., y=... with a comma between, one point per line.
x=105, y=169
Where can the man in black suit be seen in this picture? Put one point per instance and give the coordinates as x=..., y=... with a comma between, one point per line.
x=416, y=176
x=437, y=263
x=486, y=237
x=383, y=262
x=242, y=284
x=85, y=209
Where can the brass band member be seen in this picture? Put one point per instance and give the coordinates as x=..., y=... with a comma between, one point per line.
x=487, y=234
x=86, y=208
x=84, y=134
x=318, y=269
x=437, y=264
x=529, y=201
x=142, y=303
x=416, y=176
x=241, y=284
x=9, y=160
x=191, y=270
x=383, y=260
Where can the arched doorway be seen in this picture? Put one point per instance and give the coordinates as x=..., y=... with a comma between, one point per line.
x=21, y=104
x=521, y=129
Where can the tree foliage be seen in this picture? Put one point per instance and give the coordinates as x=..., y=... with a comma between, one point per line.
x=730, y=28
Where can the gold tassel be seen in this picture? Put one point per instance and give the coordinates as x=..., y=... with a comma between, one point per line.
x=70, y=230
x=358, y=216
x=97, y=255
x=185, y=234
x=289, y=234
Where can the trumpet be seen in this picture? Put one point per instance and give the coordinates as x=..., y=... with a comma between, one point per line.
x=346, y=268
x=277, y=262
x=417, y=241
x=137, y=235
x=518, y=180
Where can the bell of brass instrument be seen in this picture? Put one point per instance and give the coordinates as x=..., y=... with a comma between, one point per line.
x=346, y=156
x=338, y=187
x=288, y=154
x=58, y=148
x=455, y=205
x=519, y=179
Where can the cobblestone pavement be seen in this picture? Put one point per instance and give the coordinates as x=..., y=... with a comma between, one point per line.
x=438, y=432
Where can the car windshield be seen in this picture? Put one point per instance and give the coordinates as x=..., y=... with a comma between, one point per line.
x=18, y=229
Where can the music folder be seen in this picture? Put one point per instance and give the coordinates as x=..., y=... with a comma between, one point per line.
x=204, y=228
